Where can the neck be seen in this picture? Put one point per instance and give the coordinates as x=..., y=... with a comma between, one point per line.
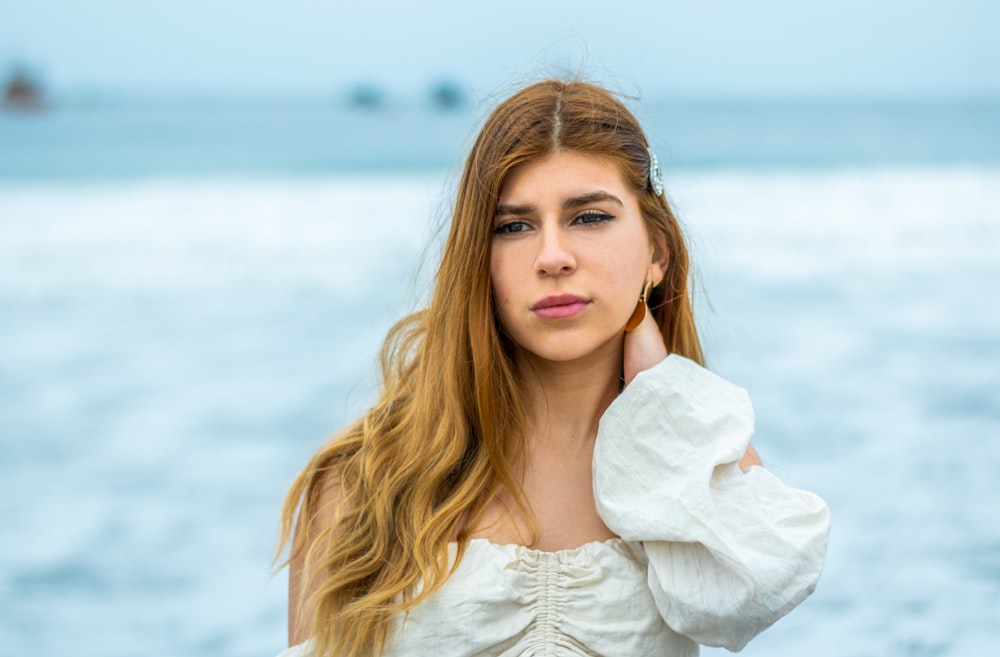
x=563, y=401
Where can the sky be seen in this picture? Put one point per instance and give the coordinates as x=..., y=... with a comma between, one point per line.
x=700, y=49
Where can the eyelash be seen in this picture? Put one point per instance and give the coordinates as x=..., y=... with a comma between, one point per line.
x=599, y=217
x=505, y=228
x=586, y=219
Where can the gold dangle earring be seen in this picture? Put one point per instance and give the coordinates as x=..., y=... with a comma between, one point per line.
x=639, y=313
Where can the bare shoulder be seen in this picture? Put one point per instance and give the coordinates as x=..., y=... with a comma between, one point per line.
x=324, y=494
x=318, y=512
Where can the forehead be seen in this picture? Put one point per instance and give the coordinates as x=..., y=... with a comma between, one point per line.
x=560, y=175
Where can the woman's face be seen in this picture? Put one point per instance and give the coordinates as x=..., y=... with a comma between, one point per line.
x=570, y=256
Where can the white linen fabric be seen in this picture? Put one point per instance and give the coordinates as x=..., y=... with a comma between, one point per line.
x=708, y=553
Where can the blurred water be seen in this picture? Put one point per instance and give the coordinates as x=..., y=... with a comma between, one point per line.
x=123, y=141
x=170, y=355
x=173, y=349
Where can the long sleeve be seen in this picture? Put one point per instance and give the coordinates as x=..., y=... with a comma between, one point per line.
x=730, y=552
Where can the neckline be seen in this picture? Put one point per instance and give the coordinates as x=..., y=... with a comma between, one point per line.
x=610, y=543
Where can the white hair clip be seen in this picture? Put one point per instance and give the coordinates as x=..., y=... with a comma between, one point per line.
x=655, y=173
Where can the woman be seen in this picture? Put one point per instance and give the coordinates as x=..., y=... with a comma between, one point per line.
x=538, y=476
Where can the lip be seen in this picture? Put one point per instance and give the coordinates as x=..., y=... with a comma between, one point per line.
x=560, y=306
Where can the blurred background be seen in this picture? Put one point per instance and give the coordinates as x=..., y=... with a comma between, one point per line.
x=210, y=214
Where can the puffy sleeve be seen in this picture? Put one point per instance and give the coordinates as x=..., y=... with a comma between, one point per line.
x=730, y=552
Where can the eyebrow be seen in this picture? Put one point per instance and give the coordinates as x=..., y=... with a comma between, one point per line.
x=569, y=204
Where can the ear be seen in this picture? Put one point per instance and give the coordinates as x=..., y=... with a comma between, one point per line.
x=660, y=260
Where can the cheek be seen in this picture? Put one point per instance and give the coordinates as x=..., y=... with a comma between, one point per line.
x=504, y=313
x=496, y=279
x=500, y=285
x=628, y=264
x=507, y=271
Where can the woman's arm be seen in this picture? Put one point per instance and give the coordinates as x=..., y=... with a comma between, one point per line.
x=750, y=457
x=644, y=348
x=729, y=550
x=323, y=515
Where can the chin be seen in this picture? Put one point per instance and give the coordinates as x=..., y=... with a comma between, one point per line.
x=572, y=349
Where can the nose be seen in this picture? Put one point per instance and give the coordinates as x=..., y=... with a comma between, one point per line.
x=554, y=257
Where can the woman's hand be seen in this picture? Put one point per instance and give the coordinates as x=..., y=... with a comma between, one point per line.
x=644, y=348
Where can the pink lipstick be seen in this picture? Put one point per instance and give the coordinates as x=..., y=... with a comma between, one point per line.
x=560, y=306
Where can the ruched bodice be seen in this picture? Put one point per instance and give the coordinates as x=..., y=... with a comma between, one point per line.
x=511, y=600
x=709, y=554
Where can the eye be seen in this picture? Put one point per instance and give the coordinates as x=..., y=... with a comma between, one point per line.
x=511, y=227
x=593, y=217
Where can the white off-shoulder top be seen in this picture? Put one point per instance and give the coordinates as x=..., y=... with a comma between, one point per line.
x=708, y=554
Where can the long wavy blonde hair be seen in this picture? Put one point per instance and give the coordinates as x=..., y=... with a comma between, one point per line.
x=417, y=471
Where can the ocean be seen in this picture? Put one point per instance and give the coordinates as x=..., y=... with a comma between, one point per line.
x=192, y=299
